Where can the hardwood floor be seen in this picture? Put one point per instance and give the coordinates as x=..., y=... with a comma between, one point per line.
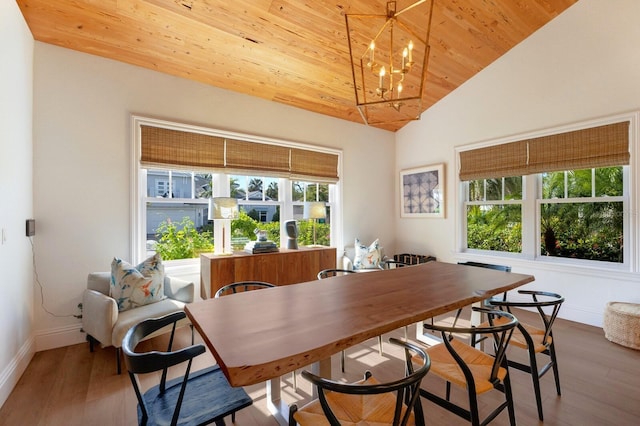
x=600, y=385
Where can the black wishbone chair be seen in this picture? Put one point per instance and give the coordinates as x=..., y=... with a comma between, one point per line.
x=477, y=372
x=196, y=398
x=328, y=273
x=389, y=263
x=241, y=286
x=535, y=339
x=396, y=403
x=503, y=268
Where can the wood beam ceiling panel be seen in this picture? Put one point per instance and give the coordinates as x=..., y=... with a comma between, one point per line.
x=283, y=38
x=273, y=62
x=290, y=51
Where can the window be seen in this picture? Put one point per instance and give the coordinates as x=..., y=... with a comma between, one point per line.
x=494, y=214
x=550, y=207
x=260, y=205
x=182, y=167
x=581, y=214
x=303, y=192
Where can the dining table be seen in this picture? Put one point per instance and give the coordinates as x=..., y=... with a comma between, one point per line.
x=258, y=336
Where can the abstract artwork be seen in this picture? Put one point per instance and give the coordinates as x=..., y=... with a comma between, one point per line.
x=422, y=192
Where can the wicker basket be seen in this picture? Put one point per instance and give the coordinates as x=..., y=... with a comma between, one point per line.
x=622, y=323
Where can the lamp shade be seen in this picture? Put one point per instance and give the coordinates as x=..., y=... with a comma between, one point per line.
x=315, y=210
x=223, y=208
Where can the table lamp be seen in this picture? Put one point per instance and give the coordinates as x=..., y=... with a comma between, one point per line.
x=222, y=210
x=315, y=210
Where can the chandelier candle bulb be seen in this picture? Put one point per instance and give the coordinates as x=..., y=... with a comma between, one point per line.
x=405, y=53
x=382, y=73
x=372, y=46
x=410, y=48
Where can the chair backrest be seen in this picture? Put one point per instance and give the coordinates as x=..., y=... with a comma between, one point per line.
x=241, y=286
x=407, y=388
x=540, y=301
x=487, y=265
x=500, y=328
x=392, y=264
x=413, y=259
x=99, y=281
x=327, y=273
x=210, y=397
x=147, y=362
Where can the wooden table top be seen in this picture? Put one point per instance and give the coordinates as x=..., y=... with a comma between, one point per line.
x=260, y=335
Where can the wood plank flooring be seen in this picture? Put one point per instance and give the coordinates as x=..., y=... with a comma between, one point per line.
x=600, y=384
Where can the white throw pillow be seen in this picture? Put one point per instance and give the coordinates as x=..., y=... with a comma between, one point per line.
x=366, y=257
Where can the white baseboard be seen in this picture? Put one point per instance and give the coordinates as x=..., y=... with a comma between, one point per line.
x=59, y=337
x=583, y=316
x=12, y=373
x=41, y=341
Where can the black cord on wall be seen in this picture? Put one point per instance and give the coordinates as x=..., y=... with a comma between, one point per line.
x=40, y=286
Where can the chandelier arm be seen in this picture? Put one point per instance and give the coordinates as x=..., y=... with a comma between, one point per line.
x=367, y=16
x=364, y=92
x=418, y=3
x=425, y=64
x=386, y=101
x=384, y=27
x=353, y=68
x=410, y=30
x=362, y=114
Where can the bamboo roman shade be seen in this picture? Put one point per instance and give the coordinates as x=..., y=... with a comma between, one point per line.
x=250, y=156
x=601, y=146
x=313, y=165
x=166, y=147
x=162, y=147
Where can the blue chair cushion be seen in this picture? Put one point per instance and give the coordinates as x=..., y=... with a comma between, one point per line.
x=208, y=397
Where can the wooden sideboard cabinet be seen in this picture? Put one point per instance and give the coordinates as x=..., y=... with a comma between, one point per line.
x=281, y=268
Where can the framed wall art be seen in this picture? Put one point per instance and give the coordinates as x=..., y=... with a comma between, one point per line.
x=422, y=192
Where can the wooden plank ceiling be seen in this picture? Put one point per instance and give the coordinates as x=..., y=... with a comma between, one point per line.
x=289, y=51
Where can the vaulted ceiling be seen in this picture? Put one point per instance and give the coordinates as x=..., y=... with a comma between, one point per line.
x=290, y=51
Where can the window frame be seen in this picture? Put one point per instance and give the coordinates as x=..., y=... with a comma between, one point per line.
x=139, y=196
x=532, y=200
x=486, y=202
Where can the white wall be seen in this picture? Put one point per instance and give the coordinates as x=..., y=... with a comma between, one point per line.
x=16, y=196
x=569, y=71
x=582, y=65
x=82, y=110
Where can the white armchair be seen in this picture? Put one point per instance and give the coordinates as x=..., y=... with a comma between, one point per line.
x=104, y=324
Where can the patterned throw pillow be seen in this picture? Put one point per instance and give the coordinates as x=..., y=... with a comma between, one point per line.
x=153, y=267
x=136, y=286
x=366, y=257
